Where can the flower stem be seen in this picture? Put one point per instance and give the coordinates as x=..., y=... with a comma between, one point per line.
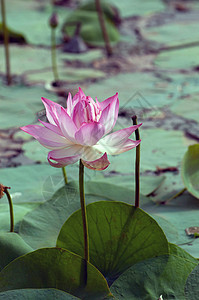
x=11, y=208
x=53, y=55
x=83, y=209
x=64, y=175
x=6, y=41
x=137, y=165
x=109, y=50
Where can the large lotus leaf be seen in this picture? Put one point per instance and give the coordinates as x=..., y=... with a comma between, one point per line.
x=190, y=170
x=192, y=284
x=90, y=31
x=187, y=108
x=120, y=235
x=28, y=101
x=155, y=152
x=173, y=34
x=54, y=268
x=32, y=294
x=147, y=280
x=182, y=59
x=41, y=227
x=11, y=247
x=31, y=18
x=20, y=210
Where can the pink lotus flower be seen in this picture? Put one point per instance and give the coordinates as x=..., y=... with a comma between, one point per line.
x=80, y=131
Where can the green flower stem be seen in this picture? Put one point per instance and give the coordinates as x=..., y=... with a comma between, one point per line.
x=137, y=165
x=6, y=42
x=53, y=54
x=109, y=50
x=11, y=209
x=83, y=209
x=64, y=175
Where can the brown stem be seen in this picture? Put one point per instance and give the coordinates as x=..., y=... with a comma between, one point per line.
x=109, y=50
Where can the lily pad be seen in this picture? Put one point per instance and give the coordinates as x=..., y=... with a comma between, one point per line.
x=32, y=294
x=119, y=236
x=181, y=59
x=190, y=170
x=11, y=247
x=155, y=152
x=54, y=268
x=187, y=108
x=135, y=7
x=182, y=213
x=36, y=29
x=41, y=227
x=192, y=284
x=87, y=57
x=147, y=280
x=28, y=101
x=148, y=184
x=136, y=90
x=173, y=34
x=70, y=75
x=34, y=182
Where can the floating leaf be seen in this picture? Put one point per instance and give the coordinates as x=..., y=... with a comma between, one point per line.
x=119, y=236
x=185, y=58
x=187, y=107
x=135, y=7
x=11, y=247
x=54, y=268
x=173, y=34
x=148, y=184
x=155, y=151
x=190, y=170
x=147, y=280
x=32, y=294
x=28, y=101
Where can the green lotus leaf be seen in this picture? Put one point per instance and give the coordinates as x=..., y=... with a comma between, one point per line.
x=11, y=247
x=190, y=170
x=147, y=280
x=54, y=268
x=120, y=235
